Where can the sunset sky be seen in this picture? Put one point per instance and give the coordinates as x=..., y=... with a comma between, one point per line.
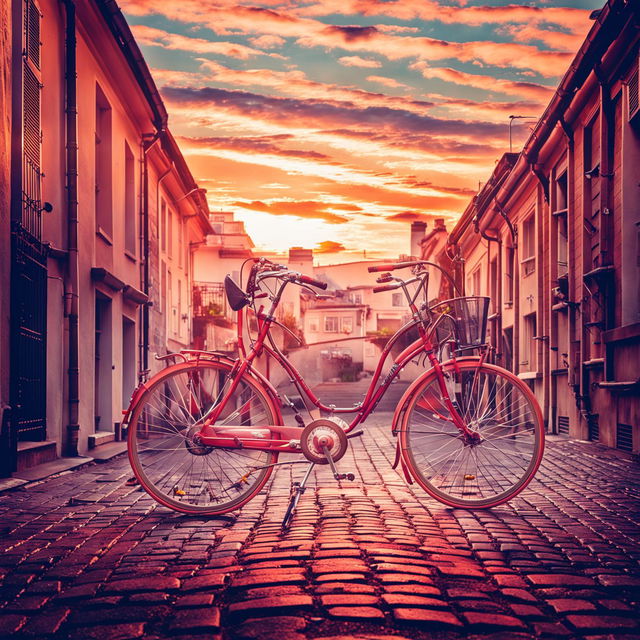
x=332, y=124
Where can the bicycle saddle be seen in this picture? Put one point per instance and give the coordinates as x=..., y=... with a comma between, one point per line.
x=235, y=295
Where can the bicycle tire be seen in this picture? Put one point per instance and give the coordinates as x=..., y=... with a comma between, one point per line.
x=495, y=404
x=180, y=473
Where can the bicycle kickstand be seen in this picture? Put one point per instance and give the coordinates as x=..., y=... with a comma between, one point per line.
x=297, y=489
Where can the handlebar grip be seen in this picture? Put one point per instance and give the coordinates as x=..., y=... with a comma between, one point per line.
x=314, y=283
x=387, y=287
x=382, y=267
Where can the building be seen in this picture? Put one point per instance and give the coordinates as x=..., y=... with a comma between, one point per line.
x=553, y=239
x=104, y=212
x=222, y=253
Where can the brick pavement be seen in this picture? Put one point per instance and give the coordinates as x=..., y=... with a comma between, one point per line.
x=85, y=556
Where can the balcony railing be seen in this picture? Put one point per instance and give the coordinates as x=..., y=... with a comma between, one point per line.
x=209, y=300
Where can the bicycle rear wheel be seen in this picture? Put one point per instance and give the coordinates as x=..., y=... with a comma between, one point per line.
x=496, y=405
x=169, y=462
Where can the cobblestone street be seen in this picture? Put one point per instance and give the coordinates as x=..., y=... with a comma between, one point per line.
x=86, y=556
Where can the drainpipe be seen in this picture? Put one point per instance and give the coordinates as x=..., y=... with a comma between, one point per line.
x=148, y=142
x=498, y=240
x=72, y=276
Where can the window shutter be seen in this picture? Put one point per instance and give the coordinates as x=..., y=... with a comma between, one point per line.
x=31, y=84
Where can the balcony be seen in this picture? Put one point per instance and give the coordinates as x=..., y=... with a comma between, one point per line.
x=209, y=301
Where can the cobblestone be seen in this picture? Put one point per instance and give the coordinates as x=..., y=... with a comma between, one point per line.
x=84, y=556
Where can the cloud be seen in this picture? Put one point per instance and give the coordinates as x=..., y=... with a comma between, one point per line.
x=320, y=114
x=152, y=37
x=259, y=144
x=267, y=42
x=484, y=82
x=409, y=216
x=300, y=209
x=224, y=19
x=329, y=246
x=296, y=83
x=357, y=61
x=388, y=82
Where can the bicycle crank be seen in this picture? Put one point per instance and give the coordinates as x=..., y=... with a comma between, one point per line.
x=322, y=436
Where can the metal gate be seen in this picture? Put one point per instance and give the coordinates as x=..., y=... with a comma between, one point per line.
x=28, y=316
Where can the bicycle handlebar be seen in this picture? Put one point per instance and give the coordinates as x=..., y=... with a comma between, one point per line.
x=395, y=265
x=314, y=283
x=387, y=287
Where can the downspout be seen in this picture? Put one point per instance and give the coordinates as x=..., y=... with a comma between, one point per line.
x=72, y=276
x=498, y=241
x=148, y=143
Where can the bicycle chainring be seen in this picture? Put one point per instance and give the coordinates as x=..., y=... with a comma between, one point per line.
x=329, y=432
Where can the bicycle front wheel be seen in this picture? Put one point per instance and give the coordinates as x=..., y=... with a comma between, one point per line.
x=172, y=466
x=504, y=456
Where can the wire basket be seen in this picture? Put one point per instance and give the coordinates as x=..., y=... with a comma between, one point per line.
x=462, y=319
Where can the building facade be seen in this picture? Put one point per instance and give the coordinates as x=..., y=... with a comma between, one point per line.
x=553, y=239
x=96, y=179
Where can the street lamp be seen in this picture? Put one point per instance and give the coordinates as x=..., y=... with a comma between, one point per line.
x=511, y=119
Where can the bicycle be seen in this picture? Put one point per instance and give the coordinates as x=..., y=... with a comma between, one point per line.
x=205, y=433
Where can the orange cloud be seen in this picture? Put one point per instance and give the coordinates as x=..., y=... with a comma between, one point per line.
x=152, y=37
x=300, y=209
x=329, y=246
x=484, y=82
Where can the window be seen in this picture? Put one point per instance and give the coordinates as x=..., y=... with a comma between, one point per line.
x=162, y=224
x=529, y=246
x=169, y=232
x=397, y=300
x=179, y=308
x=331, y=324
x=31, y=126
x=346, y=324
x=129, y=201
x=103, y=164
x=528, y=357
x=493, y=284
x=509, y=260
x=475, y=282
x=313, y=325
x=180, y=241
x=563, y=245
x=592, y=190
x=561, y=192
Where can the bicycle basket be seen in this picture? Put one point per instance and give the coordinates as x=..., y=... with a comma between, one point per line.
x=235, y=295
x=465, y=317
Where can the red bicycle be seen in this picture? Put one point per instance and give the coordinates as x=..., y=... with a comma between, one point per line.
x=204, y=434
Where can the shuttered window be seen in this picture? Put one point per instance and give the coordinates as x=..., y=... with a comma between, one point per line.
x=31, y=126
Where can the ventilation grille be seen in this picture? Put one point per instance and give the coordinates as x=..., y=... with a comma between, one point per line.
x=563, y=425
x=594, y=428
x=624, y=437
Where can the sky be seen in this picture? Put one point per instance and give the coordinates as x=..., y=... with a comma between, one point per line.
x=333, y=124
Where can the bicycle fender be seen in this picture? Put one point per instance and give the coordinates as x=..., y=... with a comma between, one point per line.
x=400, y=460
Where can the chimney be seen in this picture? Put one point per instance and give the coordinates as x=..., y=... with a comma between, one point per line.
x=418, y=230
x=439, y=225
x=301, y=260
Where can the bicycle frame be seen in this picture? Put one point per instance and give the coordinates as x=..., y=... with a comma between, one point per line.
x=283, y=438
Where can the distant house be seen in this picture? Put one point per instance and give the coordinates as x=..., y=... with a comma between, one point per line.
x=104, y=214
x=222, y=253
